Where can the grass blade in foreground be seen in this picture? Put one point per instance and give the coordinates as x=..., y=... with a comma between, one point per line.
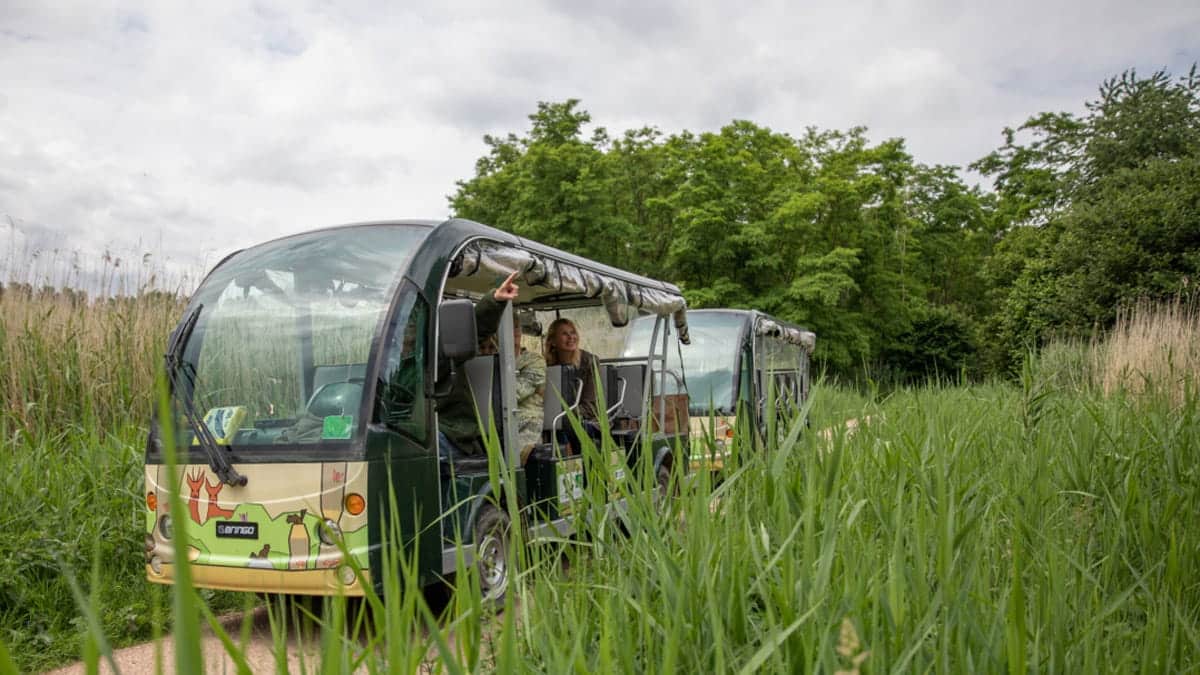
x=188, y=656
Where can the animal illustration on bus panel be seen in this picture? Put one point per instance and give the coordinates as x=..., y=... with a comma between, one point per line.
x=278, y=530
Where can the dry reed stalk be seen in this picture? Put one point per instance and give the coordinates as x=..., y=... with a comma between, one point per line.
x=71, y=361
x=1153, y=345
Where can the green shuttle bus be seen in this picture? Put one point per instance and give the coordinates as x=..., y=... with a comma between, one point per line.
x=306, y=375
x=734, y=362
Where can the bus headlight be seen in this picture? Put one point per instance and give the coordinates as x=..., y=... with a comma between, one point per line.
x=328, y=532
x=165, y=527
x=355, y=503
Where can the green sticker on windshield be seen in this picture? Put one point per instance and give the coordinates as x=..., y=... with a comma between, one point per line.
x=337, y=427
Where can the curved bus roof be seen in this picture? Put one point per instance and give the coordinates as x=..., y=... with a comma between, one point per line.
x=450, y=236
x=765, y=324
x=460, y=249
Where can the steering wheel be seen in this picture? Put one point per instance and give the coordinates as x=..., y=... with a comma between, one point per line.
x=335, y=398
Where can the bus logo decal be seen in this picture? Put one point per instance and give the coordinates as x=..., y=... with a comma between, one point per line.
x=236, y=530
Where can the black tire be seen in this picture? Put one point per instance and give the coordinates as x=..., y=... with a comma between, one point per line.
x=663, y=490
x=492, y=530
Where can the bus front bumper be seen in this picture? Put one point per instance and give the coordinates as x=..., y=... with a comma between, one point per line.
x=335, y=581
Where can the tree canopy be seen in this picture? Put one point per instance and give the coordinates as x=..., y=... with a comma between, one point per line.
x=1097, y=211
x=900, y=267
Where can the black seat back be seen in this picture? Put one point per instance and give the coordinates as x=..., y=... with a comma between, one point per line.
x=347, y=372
x=562, y=387
x=483, y=376
x=623, y=390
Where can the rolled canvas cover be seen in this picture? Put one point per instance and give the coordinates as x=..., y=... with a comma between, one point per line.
x=489, y=258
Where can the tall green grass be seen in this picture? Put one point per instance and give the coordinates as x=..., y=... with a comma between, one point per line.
x=948, y=537
x=68, y=502
x=76, y=392
x=1034, y=526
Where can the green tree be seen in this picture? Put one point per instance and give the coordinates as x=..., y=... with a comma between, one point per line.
x=853, y=239
x=552, y=185
x=1098, y=210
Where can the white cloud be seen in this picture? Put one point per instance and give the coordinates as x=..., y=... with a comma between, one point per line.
x=199, y=129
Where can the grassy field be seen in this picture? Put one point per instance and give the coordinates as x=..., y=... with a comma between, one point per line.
x=76, y=390
x=1046, y=525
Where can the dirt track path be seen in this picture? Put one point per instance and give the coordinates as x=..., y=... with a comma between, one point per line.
x=259, y=652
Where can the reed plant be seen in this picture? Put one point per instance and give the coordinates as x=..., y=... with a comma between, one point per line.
x=1030, y=527
x=74, y=362
x=1154, y=346
x=76, y=392
x=957, y=532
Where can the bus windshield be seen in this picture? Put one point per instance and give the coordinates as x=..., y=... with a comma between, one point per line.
x=709, y=360
x=280, y=348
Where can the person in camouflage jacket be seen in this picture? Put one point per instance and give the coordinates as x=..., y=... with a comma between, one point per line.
x=531, y=386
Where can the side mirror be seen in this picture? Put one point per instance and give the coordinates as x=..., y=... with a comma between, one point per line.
x=456, y=330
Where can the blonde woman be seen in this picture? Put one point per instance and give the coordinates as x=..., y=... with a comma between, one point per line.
x=562, y=349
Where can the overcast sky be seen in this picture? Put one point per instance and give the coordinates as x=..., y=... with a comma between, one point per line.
x=187, y=133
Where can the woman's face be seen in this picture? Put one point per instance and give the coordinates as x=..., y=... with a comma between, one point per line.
x=566, y=339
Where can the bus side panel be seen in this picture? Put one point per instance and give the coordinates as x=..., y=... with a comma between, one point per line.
x=264, y=536
x=414, y=483
x=462, y=495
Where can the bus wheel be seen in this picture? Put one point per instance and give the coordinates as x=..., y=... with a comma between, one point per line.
x=491, y=553
x=662, y=488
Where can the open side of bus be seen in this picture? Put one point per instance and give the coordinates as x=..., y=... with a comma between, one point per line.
x=548, y=475
x=782, y=373
x=306, y=378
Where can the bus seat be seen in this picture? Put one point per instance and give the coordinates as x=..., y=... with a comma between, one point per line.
x=484, y=380
x=337, y=389
x=335, y=398
x=563, y=384
x=603, y=382
x=623, y=390
x=346, y=372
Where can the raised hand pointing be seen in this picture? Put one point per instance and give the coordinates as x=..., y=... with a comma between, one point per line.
x=507, y=290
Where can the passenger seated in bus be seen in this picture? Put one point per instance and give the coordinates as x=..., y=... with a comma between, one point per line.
x=562, y=349
x=531, y=387
x=488, y=346
x=458, y=426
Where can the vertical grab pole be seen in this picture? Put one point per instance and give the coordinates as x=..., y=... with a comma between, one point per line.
x=662, y=391
x=648, y=382
x=508, y=387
